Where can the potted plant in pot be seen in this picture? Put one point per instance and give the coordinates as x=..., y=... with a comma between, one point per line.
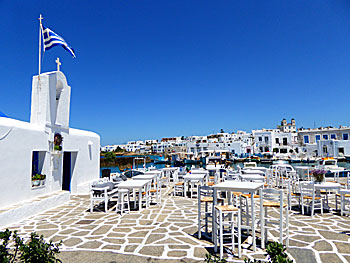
x=318, y=175
x=36, y=180
x=58, y=142
x=42, y=179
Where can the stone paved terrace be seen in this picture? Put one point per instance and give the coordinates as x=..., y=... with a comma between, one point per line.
x=168, y=233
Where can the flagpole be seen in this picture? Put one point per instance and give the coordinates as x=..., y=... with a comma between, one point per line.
x=40, y=33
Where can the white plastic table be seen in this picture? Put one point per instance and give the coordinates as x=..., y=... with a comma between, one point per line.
x=157, y=172
x=328, y=186
x=135, y=185
x=235, y=186
x=199, y=171
x=168, y=171
x=252, y=177
x=258, y=168
x=249, y=171
x=145, y=177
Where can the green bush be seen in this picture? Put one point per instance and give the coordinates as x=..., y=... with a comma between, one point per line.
x=36, y=250
x=213, y=259
x=276, y=251
x=109, y=157
x=277, y=254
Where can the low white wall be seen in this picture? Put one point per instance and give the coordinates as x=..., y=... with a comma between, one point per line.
x=29, y=208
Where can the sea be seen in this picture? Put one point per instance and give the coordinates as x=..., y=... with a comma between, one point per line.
x=115, y=169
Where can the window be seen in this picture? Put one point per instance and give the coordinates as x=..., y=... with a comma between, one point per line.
x=266, y=139
x=318, y=137
x=267, y=149
x=35, y=163
x=345, y=136
x=325, y=136
x=283, y=150
x=306, y=138
x=277, y=140
x=325, y=149
x=261, y=149
x=38, y=177
x=260, y=139
x=333, y=136
x=285, y=141
x=341, y=150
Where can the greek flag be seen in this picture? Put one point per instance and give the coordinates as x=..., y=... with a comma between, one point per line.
x=51, y=39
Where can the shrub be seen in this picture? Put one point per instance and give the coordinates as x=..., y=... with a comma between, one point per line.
x=276, y=251
x=36, y=250
x=213, y=259
x=277, y=254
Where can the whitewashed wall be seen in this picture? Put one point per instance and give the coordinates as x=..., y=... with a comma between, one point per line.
x=17, y=142
x=50, y=109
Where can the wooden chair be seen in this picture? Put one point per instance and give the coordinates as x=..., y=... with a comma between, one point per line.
x=309, y=197
x=101, y=191
x=273, y=198
x=228, y=221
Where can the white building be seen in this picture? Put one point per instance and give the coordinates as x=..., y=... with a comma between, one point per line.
x=150, y=142
x=160, y=147
x=134, y=146
x=32, y=148
x=274, y=140
x=325, y=141
x=287, y=127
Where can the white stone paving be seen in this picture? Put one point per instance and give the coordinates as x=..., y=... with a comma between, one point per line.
x=169, y=231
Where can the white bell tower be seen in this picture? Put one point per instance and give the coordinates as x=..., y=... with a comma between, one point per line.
x=51, y=99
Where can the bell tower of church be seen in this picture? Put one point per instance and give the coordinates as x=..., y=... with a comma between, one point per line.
x=51, y=99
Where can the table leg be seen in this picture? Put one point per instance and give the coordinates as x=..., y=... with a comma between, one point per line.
x=253, y=219
x=140, y=198
x=229, y=197
x=213, y=234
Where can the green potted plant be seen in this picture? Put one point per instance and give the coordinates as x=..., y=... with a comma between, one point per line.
x=58, y=142
x=42, y=179
x=36, y=180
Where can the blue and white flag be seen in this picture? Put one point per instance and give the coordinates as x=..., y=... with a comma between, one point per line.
x=51, y=39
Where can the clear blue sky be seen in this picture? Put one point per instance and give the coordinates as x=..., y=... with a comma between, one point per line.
x=151, y=69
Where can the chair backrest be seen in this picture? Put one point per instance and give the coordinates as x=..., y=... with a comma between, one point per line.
x=269, y=177
x=307, y=189
x=176, y=176
x=205, y=191
x=272, y=195
x=336, y=176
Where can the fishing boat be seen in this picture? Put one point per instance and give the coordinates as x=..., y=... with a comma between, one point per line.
x=330, y=165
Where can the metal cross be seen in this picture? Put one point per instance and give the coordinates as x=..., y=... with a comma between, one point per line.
x=40, y=18
x=58, y=64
